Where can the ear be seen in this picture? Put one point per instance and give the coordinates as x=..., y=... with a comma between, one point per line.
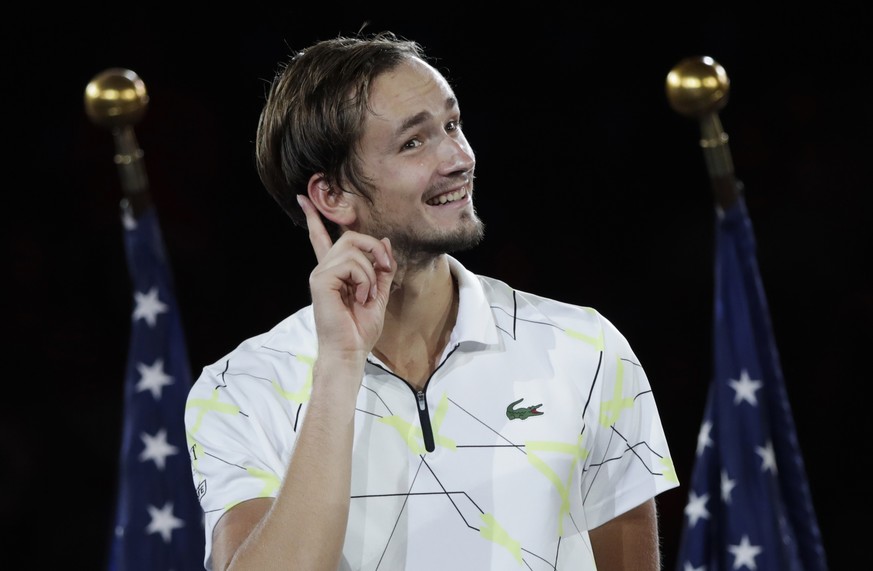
x=332, y=202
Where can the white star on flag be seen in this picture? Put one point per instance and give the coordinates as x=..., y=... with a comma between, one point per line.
x=153, y=378
x=696, y=507
x=768, y=457
x=703, y=439
x=745, y=553
x=689, y=567
x=745, y=388
x=157, y=448
x=148, y=306
x=727, y=486
x=163, y=521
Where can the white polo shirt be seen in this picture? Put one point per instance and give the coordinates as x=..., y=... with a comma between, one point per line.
x=538, y=425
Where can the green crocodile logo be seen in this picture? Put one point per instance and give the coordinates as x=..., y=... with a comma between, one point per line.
x=523, y=412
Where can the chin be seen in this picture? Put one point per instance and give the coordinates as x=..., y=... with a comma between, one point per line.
x=462, y=239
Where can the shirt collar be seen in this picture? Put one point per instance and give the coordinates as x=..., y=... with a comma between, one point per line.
x=475, y=322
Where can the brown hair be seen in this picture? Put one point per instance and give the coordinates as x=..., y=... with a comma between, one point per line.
x=314, y=115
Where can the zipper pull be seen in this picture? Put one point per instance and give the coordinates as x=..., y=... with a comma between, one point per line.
x=424, y=419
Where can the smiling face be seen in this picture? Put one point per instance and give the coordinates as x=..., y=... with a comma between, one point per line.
x=419, y=164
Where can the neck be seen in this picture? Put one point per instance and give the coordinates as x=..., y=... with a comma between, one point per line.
x=419, y=319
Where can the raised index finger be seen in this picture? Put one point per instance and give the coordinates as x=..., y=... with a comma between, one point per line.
x=318, y=235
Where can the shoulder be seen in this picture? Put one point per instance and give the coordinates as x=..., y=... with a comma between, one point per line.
x=516, y=311
x=530, y=305
x=576, y=321
x=267, y=354
x=501, y=296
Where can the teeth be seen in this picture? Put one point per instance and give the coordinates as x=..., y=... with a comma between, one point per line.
x=448, y=197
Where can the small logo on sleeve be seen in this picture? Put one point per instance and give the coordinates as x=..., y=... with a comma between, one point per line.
x=522, y=412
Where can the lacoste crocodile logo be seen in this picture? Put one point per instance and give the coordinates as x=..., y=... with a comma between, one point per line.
x=523, y=412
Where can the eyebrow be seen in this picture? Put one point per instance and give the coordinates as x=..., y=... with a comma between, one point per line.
x=422, y=116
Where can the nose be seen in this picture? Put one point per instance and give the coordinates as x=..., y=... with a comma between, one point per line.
x=457, y=155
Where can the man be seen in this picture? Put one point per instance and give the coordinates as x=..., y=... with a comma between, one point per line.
x=415, y=415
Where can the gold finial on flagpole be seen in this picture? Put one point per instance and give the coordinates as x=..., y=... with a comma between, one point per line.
x=117, y=99
x=698, y=87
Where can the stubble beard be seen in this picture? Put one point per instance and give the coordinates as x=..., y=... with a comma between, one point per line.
x=412, y=246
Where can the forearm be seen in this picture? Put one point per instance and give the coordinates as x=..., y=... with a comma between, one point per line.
x=305, y=527
x=629, y=542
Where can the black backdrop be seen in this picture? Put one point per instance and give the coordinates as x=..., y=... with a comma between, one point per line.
x=592, y=188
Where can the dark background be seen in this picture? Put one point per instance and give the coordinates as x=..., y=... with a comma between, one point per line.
x=592, y=188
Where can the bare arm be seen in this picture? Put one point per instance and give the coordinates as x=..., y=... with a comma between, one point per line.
x=629, y=541
x=304, y=527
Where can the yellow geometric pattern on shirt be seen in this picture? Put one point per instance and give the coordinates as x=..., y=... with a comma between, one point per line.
x=669, y=470
x=596, y=342
x=271, y=484
x=576, y=451
x=611, y=409
x=302, y=395
x=205, y=406
x=411, y=431
x=494, y=531
x=212, y=405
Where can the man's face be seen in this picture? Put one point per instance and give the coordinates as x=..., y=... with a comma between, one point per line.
x=420, y=165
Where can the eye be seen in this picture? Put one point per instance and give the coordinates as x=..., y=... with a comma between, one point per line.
x=412, y=144
x=453, y=125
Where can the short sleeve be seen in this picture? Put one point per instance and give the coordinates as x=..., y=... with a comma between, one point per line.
x=241, y=420
x=628, y=458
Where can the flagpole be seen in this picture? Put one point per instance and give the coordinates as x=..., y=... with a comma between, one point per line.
x=158, y=519
x=749, y=504
x=698, y=87
x=116, y=99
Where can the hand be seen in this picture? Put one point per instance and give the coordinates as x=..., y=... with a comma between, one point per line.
x=349, y=287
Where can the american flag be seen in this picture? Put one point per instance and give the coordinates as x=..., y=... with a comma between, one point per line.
x=158, y=520
x=749, y=505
